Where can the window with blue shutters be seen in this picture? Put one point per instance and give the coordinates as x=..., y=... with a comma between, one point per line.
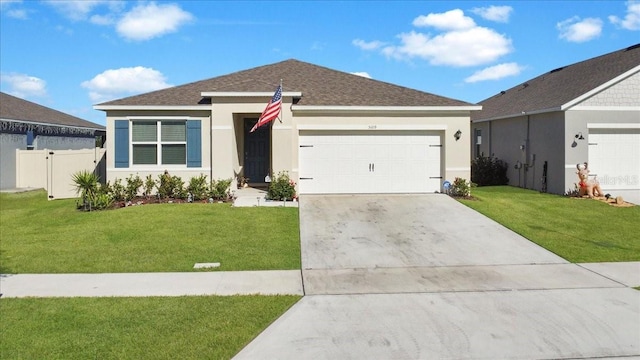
x=158, y=142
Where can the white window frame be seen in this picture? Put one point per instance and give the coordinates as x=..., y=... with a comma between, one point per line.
x=158, y=143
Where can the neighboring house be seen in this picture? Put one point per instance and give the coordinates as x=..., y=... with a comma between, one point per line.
x=337, y=133
x=584, y=112
x=25, y=125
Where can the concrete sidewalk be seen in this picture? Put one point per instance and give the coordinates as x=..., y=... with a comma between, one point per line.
x=427, y=280
x=273, y=282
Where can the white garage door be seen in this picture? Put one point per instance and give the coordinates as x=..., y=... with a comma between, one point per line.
x=614, y=156
x=332, y=162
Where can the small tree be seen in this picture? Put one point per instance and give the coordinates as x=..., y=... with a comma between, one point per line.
x=86, y=184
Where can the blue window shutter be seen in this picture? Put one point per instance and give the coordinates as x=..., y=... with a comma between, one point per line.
x=194, y=143
x=121, y=140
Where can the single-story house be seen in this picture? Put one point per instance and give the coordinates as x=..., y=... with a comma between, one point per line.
x=25, y=125
x=337, y=132
x=584, y=112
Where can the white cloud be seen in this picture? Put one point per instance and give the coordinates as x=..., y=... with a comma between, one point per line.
x=23, y=86
x=11, y=11
x=75, y=10
x=631, y=20
x=469, y=47
x=494, y=13
x=576, y=30
x=496, y=72
x=362, y=73
x=450, y=20
x=364, y=45
x=114, y=83
x=460, y=41
x=149, y=20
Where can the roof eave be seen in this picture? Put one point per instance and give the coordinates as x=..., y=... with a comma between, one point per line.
x=52, y=124
x=523, y=113
x=295, y=94
x=381, y=109
x=152, y=107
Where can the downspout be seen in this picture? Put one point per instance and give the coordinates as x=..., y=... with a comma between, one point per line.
x=526, y=154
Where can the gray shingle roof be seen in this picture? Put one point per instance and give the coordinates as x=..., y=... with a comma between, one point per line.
x=559, y=86
x=320, y=86
x=14, y=108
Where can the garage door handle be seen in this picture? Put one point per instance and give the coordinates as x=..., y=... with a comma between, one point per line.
x=373, y=167
x=306, y=178
x=435, y=177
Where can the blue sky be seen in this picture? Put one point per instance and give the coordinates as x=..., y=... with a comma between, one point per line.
x=70, y=55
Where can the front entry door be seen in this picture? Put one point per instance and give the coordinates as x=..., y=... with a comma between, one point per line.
x=256, y=151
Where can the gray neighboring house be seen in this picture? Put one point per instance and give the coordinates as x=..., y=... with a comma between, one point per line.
x=339, y=133
x=26, y=125
x=587, y=111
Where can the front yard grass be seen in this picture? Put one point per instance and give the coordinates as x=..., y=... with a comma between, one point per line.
x=41, y=236
x=191, y=327
x=579, y=230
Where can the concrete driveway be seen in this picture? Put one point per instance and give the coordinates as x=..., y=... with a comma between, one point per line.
x=424, y=277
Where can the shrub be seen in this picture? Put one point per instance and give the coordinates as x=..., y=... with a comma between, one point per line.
x=461, y=187
x=198, y=187
x=489, y=170
x=179, y=190
x=134, y=183
x=220, y=189
x=165, y=185
x=149, y=184
x=86, y=184
x=118, y=190
x=282, y=187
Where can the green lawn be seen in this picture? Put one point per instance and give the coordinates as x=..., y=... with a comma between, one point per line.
x=41, y=236
x=579, y=230
x=192, y=327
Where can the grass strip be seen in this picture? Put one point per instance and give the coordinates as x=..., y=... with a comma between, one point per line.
x=41, y=236
x=135, y=328
x=579, y=230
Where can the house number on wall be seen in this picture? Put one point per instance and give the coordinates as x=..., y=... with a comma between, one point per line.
x=372, y=127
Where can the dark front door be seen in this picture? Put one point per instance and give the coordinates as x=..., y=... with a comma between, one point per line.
x=256, y=151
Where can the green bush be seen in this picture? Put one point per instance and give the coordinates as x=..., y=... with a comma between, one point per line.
x=489, y=171
x=220, y=189
x=282, y=187
x=134, y=183
x=86, y=184
x=198, y=187
x=118, y=190
x=148, y=186
x=461, y=187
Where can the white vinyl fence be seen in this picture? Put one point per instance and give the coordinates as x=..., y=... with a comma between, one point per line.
x=53, y=169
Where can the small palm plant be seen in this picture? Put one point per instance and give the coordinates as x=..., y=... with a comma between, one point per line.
x=86, y=184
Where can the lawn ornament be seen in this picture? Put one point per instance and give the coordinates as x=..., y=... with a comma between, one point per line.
x=587, y=186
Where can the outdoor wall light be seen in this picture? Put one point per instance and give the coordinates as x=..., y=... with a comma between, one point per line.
x=579, y=136
x=457, y=135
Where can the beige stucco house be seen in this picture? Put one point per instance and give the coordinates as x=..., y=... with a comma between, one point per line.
x=584, y=112
x=25, y=125
x=337, y=133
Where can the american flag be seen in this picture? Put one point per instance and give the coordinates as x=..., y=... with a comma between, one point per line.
x=272, y=110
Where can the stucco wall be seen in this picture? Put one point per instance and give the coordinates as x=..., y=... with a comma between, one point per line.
x=9, y=143
x=578, y=122
x=144, y=170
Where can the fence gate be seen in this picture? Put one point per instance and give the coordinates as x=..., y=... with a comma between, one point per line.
x=53, y=169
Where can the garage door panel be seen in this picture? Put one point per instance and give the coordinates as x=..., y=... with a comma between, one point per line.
x=390, y=162
x=614, y=156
